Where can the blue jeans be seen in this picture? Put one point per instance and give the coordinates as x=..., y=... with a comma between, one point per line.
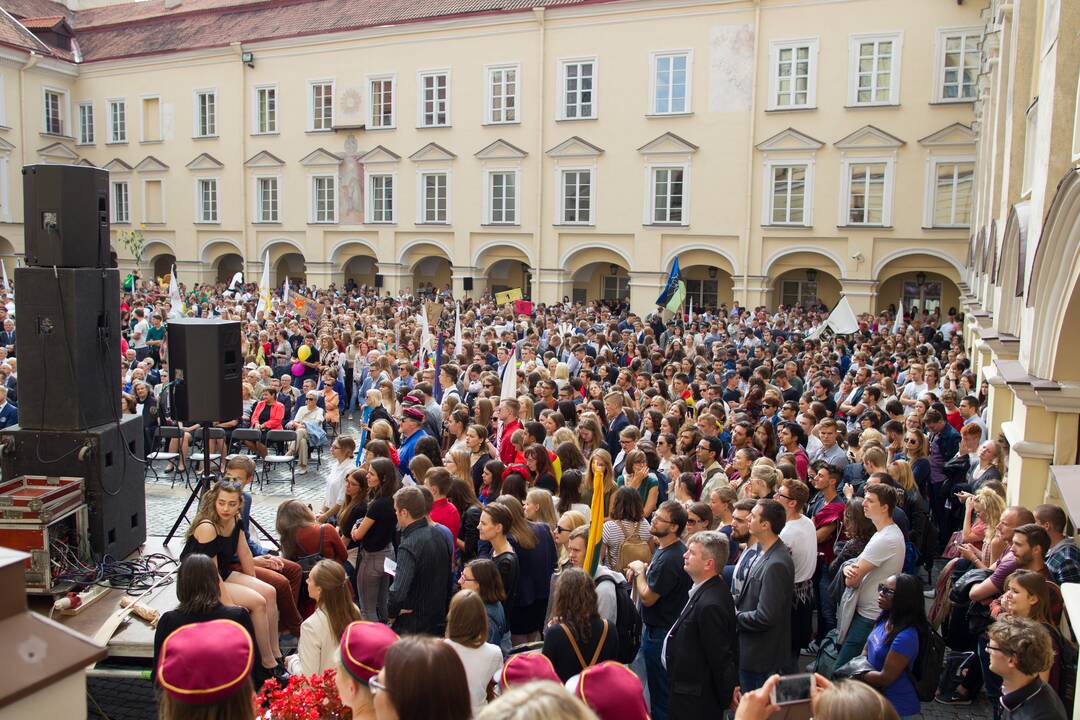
x=652, y=643
x=749, y=681
x=826, y=606
x=854, y=640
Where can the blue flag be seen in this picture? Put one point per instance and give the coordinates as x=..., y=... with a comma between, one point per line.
x=672, y=285
x=437, y=389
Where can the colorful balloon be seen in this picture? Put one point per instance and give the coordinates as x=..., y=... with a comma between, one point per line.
x=298, y=369
x=304, y=352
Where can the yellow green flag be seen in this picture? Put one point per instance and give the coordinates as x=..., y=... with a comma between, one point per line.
x=596, y=524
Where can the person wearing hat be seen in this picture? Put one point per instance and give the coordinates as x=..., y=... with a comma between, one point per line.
x=362, y=650
x=412, y=429
x=525, y=668
x=611, y=690
x=204, y=670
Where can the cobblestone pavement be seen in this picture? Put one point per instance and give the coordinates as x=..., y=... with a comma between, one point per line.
x=133, y=699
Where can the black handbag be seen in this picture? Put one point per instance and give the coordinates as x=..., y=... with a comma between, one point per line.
x=962, y=587
x=856, y=667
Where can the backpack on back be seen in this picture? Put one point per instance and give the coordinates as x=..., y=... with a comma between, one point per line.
x=627, y=620
x=632, y=548
x=928, y=664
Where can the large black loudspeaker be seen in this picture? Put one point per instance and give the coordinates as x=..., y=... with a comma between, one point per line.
x=206, y=368
x=68, y=327
x=66, y=216
x=115, y=491
x=466, y=284
x=378, y=280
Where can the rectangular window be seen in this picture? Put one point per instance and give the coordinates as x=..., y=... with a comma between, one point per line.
x=382, y=198
x=86, y=123
x=435, y=207
x=54, y=112
x=958, y=64
x=502, y=94
x=205, y=113
x=434, y=99
x=671, y=83
x=577, y=196
x=382, y=103
x=322, y=106
x=579, y=83
x=866, y=196
x=793, y=80
x=703, y=292
x=324, y=199
x=798, y=292
x=615, y=287
x=875, y=67
x=117, y=121
x=667, y=195
x=267, y=188
x=788, y=195
x=208, y=200
x=266, y=110
x=502, y=193
x=121, y=204
x=953, y=182
x=153, y=202
x=151, y=120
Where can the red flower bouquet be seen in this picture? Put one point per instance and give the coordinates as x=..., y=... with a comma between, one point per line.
x=312, y=697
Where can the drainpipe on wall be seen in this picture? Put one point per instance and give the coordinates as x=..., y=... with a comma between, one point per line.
x=749, y=223
x=244, y=217
x=538, y=13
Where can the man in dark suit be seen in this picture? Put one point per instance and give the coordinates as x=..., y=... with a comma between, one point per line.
x=701, y=653
x=9, y=414
x=763, y=607
x=613, y=406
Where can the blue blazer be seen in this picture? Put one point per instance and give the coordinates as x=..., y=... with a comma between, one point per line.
x=9, y=416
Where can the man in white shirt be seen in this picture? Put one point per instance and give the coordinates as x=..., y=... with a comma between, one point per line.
x=915, y=388
x=800, y=536
x=882, y=557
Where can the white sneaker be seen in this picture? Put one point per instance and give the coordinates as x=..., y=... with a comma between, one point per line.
x=301, y=471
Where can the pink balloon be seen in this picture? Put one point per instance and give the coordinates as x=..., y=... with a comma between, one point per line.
x=298, y=369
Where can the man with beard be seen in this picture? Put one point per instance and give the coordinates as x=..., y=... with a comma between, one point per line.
x=735, y=575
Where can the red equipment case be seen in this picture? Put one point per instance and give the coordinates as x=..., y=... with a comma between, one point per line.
x=39, y=499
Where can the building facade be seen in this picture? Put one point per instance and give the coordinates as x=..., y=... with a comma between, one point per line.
x=1022, y=286
x=783, y=151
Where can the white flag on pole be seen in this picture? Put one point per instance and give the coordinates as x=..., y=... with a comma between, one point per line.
x=285, y=289
x=899, y=322
x=177, y=309
x=264, y=287
x=7, y=285
x=457, y=327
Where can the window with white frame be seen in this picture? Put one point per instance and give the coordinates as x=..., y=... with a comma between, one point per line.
x=866, y=196
x=434, y=188
x=953, y=182
x=502, y=91
x=86, y=123
x=267, y=202
x=381, y=95
x=381, y=197
x=875, y=69
x=324, y=199
x=578, y=90
x=668, y=195
x=502, y=197
x=205, y=113
x=793, y=78
x=435, y=98
x=957, y=68
x=117, y=121
x=121, y=202
x=207, y=200
x=576, y=192
x=788, y=196
x=266, y=120
x=322, y=105
x=54, y=112
x=671, y=79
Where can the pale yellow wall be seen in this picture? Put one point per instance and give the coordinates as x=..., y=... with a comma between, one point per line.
x=725, y=123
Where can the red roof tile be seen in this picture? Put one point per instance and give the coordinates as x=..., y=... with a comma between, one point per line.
x=36, y=8
x=42, y=23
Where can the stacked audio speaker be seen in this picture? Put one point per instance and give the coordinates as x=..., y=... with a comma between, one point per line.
x=67, y=322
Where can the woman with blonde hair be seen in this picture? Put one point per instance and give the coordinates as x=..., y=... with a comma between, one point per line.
x=539, y=507
x=467, y=633
x=900, y=471
x=564, y=435
x=763, y=481
x=320, y=635
x=389, y=397
x=459, y=463
x=569, y=521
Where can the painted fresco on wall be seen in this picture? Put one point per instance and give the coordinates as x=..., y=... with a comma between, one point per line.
x=352, y=184
x=731, y=68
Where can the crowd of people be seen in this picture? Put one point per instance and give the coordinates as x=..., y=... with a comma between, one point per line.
x=610, y=515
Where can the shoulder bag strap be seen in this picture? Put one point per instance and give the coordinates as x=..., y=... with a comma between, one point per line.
x=574, y=645
x=600, y=645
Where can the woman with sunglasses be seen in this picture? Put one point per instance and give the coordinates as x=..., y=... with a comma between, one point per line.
x=917, y=453
x=893, y=644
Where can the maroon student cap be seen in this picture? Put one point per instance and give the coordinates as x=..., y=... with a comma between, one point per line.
x=613, y=692
x=204, y=663
x=414, y=414
x=363, y=648
x=526, y=667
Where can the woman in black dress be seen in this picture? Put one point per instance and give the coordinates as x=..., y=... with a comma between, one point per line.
x=494, y=528
x=216, y=533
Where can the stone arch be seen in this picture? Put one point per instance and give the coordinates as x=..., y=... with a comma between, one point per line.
x=598, y=271
x=343, y=251
x=428, y=261
x=694, y=251
x=594, y=252
x=216, y=248
x=804, y=275
x=1010, y=271
x=1054, y=287
x=940, y=281
x=709, y=273
x=159, y=256
x=932, y=252
x=407, y=255
x=838, y=264
x=492, y=252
